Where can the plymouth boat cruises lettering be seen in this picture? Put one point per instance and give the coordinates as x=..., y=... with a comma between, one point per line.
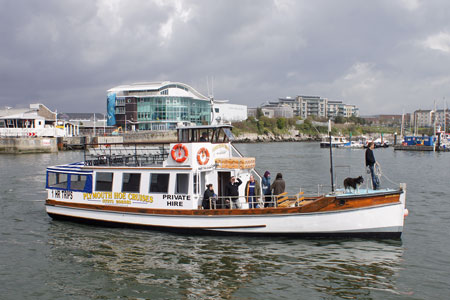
x=161, y=186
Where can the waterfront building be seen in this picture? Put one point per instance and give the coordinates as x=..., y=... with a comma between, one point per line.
x=312, y=106
x=339, y=109
x=266, y=112
x=224, y=112
x=35, y=121
x=423, y=118
x=333, y=108
x=442, y=118
x=157, y=106
x=280, y=109
x=89, y=124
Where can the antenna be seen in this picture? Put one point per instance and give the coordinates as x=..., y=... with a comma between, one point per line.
x=212, y=87
x=207, y=86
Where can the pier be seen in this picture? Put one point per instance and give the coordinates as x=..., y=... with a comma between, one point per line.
x=420, y=148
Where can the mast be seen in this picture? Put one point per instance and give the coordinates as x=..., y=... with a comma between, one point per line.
x=445, y=118
x=401, y=128
x=331, y=156
x=434, y=126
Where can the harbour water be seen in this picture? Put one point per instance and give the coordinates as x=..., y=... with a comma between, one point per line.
x=45, y=259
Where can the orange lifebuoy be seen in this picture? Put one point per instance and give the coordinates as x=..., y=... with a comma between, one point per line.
x=178, y=158
x=203, y=156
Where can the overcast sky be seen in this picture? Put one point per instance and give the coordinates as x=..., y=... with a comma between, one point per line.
x=383, y=56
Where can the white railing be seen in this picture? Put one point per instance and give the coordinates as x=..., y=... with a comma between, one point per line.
x=32, y=132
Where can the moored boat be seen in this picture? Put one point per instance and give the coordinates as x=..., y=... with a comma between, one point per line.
x=161, y=186
x=336, y=141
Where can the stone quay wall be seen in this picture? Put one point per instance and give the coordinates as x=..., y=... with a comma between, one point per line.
x=28, y=145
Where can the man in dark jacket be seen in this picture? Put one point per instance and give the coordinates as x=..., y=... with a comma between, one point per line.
x=278, y=186
x=370, y=162
x=232, y=190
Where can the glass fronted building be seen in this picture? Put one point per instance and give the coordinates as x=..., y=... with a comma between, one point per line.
x=157, y=106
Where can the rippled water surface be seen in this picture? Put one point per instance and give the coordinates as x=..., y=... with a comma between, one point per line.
x=45, y=259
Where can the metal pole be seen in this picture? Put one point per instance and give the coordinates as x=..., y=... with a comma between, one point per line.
x=434, y=127
x=331, y=157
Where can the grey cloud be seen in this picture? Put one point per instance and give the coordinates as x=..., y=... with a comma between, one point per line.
x=68, y=53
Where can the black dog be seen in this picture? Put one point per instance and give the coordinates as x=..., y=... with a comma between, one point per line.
x=353, y=183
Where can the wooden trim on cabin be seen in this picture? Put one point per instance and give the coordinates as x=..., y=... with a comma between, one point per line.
x=319, y=205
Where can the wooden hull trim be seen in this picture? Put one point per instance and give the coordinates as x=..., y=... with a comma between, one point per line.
x=230, y=213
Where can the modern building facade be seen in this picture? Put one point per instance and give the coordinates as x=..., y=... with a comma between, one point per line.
x=157, y=106
x=312, y=106
x=305, y=106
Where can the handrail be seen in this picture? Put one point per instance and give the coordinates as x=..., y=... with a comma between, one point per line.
x=241, y=202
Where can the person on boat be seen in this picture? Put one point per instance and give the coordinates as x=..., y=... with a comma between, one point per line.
x=208, y=196
x=252, y=192
x=266, y=190
x=278, y=186
x=370, y=163
x=232, y=191
x=204, y=137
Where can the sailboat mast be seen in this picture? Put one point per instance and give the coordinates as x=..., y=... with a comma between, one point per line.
x=331, y=156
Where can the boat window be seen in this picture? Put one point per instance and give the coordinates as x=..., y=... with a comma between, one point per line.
x=220, y=136
x=131, y=182
x=57, y=180
x=229, y=134
x=195, y=181
x=182, y=184
x=80, y=182
x=159, y=183
x=104, y=181
x=184, y=136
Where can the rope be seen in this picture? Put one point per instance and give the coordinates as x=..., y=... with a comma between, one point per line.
x=379, y=173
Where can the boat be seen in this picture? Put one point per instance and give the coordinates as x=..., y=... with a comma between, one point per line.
x=161, y=186
x=354, y=144
x=336, y=141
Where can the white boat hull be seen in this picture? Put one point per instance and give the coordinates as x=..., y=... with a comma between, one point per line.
x=378, y=220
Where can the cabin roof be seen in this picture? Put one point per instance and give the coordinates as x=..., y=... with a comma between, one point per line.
x=206, y=126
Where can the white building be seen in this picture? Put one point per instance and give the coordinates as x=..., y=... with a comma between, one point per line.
x=224, y=112
x=423, y=118
x=442, y=118
x=36, y=121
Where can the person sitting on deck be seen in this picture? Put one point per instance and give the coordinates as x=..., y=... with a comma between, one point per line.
x=204, y=137
x=208, y=197
x=252, y=192
x=232, y=191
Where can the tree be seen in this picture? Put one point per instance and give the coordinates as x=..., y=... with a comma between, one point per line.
x=339, y=120
x=281, y=123
x=259, y=113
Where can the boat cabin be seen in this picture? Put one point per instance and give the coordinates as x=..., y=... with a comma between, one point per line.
x=156, y=175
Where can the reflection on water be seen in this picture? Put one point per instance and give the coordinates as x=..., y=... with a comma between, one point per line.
x=152, y=264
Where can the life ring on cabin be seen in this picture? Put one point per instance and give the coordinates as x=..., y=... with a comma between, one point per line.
x=203, y=156
x=178, y=158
